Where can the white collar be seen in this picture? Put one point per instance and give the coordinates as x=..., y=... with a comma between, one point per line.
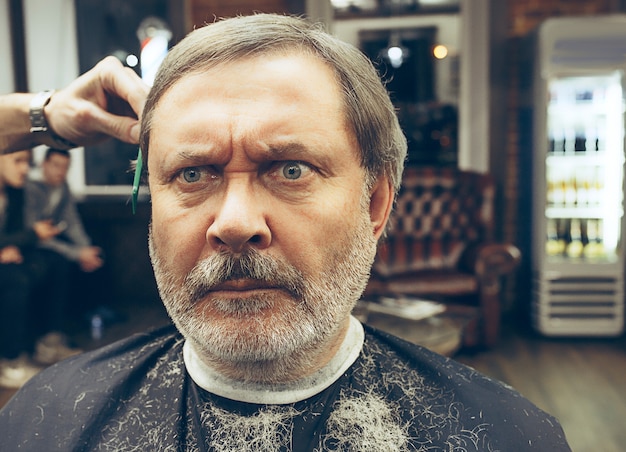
x=209, y=379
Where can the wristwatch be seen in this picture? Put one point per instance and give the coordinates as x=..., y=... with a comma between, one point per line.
x=39, y=126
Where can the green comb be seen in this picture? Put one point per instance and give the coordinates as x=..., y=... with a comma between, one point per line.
x=138, y=170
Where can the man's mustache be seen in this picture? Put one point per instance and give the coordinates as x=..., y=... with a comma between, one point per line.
x=249, y=265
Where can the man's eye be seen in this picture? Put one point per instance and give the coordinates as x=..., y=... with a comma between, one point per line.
x=191, y=174
x=294, y=170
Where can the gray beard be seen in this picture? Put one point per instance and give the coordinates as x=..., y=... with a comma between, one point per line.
x=280, y=348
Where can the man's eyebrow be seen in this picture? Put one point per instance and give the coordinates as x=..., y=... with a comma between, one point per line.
x=290, y=148
x=295, y=150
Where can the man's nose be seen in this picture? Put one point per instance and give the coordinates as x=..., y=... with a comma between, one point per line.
x=240, y=221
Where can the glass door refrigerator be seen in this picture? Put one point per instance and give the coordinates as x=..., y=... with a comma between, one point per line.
x=578, y=165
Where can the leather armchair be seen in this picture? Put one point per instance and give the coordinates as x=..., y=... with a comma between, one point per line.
x=440, y=246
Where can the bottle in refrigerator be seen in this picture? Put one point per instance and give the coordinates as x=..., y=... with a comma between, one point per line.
x=596, y=186
x=571, y=190
x=594, y=247
x=555, y=243
x=582, y=186
x=569, y=140
x=580, y=140
x=575, y=246
x=558, y=141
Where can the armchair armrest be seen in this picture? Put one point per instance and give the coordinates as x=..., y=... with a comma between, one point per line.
x=490, y=260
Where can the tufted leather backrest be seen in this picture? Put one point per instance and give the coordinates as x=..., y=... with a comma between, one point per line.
x=438, y=213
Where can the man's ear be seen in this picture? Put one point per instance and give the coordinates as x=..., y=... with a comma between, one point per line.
x=381, y=202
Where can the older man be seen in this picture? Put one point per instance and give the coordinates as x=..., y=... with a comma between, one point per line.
x=273, y=156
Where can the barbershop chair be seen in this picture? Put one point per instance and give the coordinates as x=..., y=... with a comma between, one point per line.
x=440, y=247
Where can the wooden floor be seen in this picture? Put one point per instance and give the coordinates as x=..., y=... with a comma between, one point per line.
x=582, y=382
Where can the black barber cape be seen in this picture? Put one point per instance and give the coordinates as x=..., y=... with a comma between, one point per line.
x=136, y=395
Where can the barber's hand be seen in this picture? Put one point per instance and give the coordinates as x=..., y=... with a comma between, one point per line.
x=45, y=229
x=89, y=259
x=11, y=255
x=105, y=101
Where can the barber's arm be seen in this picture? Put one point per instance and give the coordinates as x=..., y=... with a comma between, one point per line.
x=104, y=102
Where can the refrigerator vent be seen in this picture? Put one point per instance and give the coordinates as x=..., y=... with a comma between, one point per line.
x=579, y=306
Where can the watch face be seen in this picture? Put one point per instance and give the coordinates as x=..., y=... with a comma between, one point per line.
x=37, y=119
x=39, y=125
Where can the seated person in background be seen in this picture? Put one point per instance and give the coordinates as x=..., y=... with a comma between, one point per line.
x=23, y=268
x=48, y=197
x=273, y=156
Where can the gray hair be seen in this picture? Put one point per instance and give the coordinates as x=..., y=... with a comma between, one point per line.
x=369, y=111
